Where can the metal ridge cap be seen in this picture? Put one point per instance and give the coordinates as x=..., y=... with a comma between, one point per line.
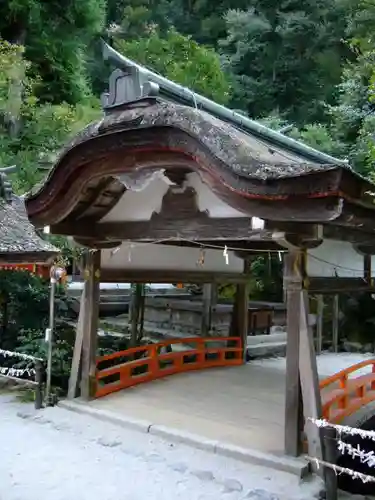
x=236, y=119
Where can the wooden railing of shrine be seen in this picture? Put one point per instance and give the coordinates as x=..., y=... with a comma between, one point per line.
x=343, y=394
x=137, y=365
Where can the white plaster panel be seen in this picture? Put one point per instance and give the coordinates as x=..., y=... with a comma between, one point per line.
x=336, y=258
x=207, y=200
x=144, y=256
x=139, y=205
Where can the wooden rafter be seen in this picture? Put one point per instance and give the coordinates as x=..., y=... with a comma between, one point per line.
x=92, y=197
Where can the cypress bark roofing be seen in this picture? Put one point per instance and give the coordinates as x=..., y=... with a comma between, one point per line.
x=17, y=234
x=243, y=154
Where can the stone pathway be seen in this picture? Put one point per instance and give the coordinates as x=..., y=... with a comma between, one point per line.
x=55, y=454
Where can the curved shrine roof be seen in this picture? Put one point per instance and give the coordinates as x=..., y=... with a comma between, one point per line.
x=153, y=133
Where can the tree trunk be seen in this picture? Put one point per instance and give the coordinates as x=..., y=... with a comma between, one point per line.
x=15, y=99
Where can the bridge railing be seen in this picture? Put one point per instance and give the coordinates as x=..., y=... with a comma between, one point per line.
x=137, y=365
x=343, y=394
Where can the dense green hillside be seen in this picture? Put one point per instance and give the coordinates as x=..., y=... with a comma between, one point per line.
x=306, y=63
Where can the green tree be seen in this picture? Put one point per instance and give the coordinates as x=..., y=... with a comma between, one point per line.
x=285, y=56
x=353, y=116
x=180, y=59
x=203, y=20
x=56, y=36
x=42, y=128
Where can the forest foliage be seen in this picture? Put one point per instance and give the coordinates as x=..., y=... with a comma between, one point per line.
x=308, y=64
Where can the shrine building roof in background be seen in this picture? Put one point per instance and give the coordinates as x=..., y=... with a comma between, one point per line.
x=19, y=242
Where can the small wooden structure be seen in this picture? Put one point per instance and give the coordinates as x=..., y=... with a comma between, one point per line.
x=20, y=246
x=175, y=314
x=165, y=192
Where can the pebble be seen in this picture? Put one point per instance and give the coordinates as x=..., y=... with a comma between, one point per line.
x=261, y=495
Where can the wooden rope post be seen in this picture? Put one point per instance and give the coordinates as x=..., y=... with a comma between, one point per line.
x=330, y=456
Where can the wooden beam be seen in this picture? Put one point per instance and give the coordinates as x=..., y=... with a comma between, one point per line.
x=311, y=396
x=242, y=246
x=293, y=402
x=354, y=216
x=150, y=276
x=91, y=305
x=365, y=248
x=309, y=230
x=75, y=370
x=338, y=285
x=195, y=229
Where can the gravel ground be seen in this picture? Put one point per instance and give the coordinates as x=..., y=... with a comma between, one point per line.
x=55, y=454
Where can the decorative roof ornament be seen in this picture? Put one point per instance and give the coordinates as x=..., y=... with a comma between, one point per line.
x=126, y=87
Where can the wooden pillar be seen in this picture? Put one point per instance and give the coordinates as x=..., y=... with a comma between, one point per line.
x=243, y=316
x=319, y=323
x=367, y=272
x=239, y=324
x=135, y=312
x=239, y=318
x=301, y=374
x=312, y=402
x=210, y=292
x=206, y=309
x=335, y=323
x=75, y=371
x=243, y=310
x=293, y=401
x=90, y=330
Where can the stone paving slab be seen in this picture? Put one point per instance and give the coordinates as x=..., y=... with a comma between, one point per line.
x=241, y=405
x=241, y=408
x=293, y=466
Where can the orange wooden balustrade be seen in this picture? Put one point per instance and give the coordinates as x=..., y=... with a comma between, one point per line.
x=342, y=395
x=143, y=364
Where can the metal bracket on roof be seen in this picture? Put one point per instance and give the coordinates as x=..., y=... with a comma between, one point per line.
x=126, y=87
